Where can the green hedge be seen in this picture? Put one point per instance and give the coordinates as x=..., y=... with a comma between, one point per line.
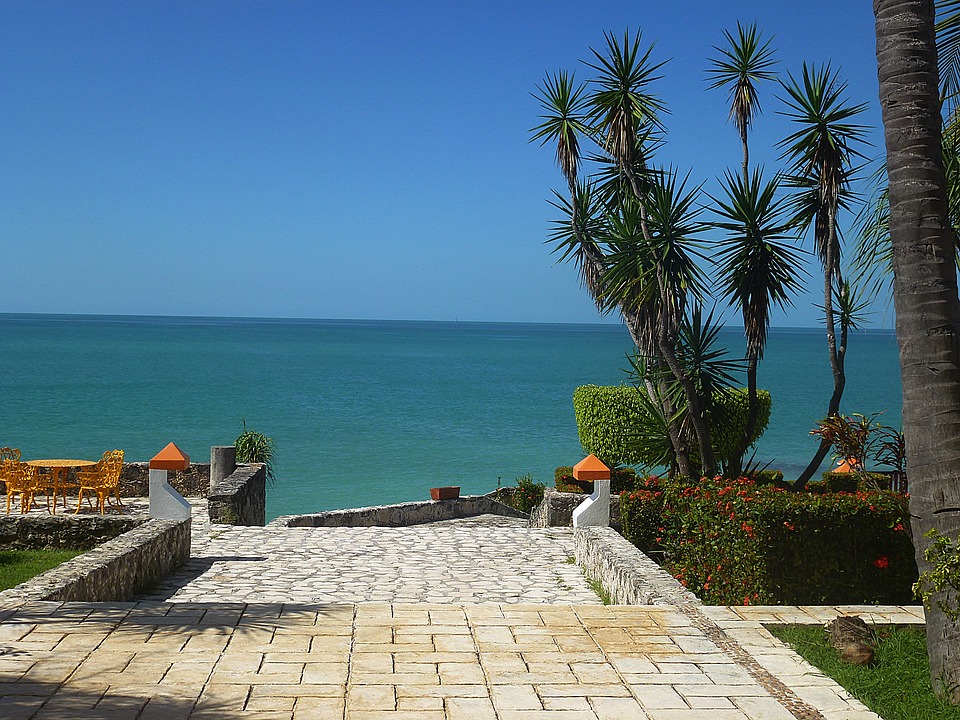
x=734, y=543
x=608, y=416
x=621, y=480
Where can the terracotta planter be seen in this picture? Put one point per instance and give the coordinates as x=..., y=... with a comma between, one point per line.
x=445, y=493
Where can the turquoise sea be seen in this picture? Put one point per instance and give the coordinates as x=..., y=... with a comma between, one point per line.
x=371, y=412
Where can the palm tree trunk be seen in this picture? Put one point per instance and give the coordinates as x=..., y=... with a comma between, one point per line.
x=830, y=275
x=925, y=295
x=665, y=345
x=593, y=273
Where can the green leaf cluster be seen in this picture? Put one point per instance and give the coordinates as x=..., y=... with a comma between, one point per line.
x=618, y=425
x=255, y=447
x=736, y=543
x=943, y=578
x=527, y=494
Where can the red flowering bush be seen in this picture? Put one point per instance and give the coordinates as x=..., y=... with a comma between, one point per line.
x=736, y=543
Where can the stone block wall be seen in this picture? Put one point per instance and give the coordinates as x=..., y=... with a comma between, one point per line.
x=117, y=570
x=54, y=532
x=402, y=514
x=557, y=509
x=628, y=576
x=241, y=498
x=192, y=482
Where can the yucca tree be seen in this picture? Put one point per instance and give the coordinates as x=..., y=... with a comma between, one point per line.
x=743, y=63
x=822, y=152
x=758, y=269
x=925, y=296
x=624, y=113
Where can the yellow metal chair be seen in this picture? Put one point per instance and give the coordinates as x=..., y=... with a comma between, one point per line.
x=7, y=453
x=21, y=479
x=103, y=480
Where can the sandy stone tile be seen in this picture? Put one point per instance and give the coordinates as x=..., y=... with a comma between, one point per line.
x=459, y=708
x=515, y=697
x=315, y=673
x=371, y=697
x=461, y=673
x=408, y=703
x=318, y=708
x=617, y=708
x=656, y=697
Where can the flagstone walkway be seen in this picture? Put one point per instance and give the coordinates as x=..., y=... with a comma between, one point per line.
x=314, y=623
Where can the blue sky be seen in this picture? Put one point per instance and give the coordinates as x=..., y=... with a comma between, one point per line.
x=339, y=160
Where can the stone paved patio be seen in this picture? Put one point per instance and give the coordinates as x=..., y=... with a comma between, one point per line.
x=286, y=623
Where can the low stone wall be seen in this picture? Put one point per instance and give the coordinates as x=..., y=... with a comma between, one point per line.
x=628, y=576
x=402, y=514
x=117, y=570
x=49, y=532
x=192, y=482
x=241, y=497
x=557, y=508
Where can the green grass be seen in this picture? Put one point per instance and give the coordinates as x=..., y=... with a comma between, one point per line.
x=17, y=566
x=896, y=686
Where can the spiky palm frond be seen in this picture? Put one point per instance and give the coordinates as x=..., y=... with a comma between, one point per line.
x=630, y=273
x=948, y=53
x=824, y=146
x=621, y=104
x=613, y=184
x=757, y=269
x=708, y=364
x=807, y=207
x=673, y=212
x=563, y=120
x=575, y=236
x=745, y=61
x=851, y=303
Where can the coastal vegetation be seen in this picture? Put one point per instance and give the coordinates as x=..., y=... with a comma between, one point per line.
x=255, y=447
x=635, y=228
x=524, y=496
x=620, y=425
x=751, y=541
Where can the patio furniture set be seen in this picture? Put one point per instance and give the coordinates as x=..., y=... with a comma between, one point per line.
x=50, y=477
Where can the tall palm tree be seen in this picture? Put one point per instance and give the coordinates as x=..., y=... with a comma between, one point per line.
x=925, y=295
x=822, y=151
x=745, y=61
x=624, y=111
x=757, y=269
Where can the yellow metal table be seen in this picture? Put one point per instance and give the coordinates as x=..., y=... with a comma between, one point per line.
x=58, y=470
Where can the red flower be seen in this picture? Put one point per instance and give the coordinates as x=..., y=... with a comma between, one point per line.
x=882, y=562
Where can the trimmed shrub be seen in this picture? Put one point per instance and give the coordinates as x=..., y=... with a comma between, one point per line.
x=641, y=514
x=769, y=477
x=734, y=543
x=524, y=497
x=609, y=416
x=621, y=480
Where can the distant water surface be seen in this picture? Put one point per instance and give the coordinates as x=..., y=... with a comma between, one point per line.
x=371, y=412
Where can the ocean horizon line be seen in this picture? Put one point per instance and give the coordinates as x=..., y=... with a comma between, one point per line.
x=242, y=319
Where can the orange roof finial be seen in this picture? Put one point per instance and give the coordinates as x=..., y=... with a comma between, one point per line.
x=170, y=458
x=590, y=468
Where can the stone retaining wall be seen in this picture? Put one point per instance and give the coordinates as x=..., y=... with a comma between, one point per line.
x=557, y=509
x=192, y=482
x=48, y=532
x=117, y=570
x=628, y=576
x=402, y=514
x=241, y=497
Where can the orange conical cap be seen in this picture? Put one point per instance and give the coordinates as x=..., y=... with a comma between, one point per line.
x=590, y=468
x=170, y=458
